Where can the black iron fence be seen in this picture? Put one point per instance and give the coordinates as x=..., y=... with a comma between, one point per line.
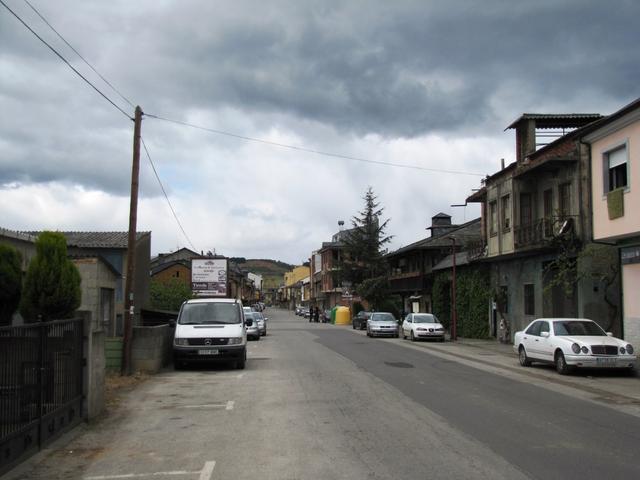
x=41, y=371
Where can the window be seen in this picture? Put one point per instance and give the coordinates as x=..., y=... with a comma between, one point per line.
x=564, y=191
x=544, y=327
x=615, y=165
x=529, y=299
x=493, y=215
x=534, y=329
x=505, y=205
x=547, y=198
x=526, y=214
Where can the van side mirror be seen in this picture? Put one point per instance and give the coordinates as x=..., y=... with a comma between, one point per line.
x=172, y=323
x=248, y=323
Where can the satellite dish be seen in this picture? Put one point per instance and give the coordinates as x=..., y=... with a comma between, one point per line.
x=566, y=226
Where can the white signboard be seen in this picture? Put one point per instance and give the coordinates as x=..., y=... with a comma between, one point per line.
x=209, y=277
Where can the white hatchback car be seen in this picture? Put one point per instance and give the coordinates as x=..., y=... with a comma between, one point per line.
x=422, y=325
x=572, y=342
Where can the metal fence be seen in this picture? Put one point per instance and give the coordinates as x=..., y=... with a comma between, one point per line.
x=41, y=371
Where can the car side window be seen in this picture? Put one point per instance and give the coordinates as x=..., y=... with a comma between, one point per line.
x=544, y=327
x=534, y=329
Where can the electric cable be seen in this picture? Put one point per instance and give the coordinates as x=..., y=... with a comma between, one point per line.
x=66, y=61
x=310, y=150
x=78, y=53
x=166, y=196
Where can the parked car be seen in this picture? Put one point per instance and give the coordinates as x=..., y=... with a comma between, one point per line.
x=326, y=316
x=572, y=342
x=262, y=322
x=253, y=328
x=210, y=329
x=418, y=326
x=359, y=322
x=298, y=310
x=382, y=323
x=306, y=313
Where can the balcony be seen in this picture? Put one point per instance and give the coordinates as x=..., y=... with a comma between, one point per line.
x=542, y=231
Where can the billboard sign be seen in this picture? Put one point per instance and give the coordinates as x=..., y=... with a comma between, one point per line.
x=209, y=277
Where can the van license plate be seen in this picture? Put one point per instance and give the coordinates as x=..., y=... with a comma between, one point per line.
x=208, y=352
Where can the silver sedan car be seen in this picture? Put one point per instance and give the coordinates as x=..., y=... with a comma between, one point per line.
x=251, y=321
x=382, y=324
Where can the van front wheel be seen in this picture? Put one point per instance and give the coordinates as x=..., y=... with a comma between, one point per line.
x=240, y=364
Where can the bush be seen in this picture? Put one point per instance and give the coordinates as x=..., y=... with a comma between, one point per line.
x=441, y=298
x=10, y=282
x=52, y=286
x=169, y=295
x=472, y=303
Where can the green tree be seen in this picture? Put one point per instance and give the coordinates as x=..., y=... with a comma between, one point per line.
x=10, y=282
x=169, y=295
x=363, y=264
x=52, y=286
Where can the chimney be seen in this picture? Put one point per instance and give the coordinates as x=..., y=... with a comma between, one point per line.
x=340, y=225
x=440, y=224
x=502, y=164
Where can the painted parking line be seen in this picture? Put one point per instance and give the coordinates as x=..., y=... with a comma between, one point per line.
x=204, y=474
x=227, y=406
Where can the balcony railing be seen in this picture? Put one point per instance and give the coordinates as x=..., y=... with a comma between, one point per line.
x=540, y=232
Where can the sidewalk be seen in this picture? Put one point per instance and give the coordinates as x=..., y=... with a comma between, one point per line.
x=608, y=386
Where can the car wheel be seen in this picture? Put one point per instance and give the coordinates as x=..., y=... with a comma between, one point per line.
x=240, y=364
x=522, y=357
x=354, y=325
x=561, y=365
x=412, y=336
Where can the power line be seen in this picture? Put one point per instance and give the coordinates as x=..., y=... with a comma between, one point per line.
x=66, y=61
x=165, y=194
x=310, y=150
x=78, y=53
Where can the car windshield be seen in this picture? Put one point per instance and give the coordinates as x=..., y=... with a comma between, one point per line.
x=382, y=317
x=425, y=318
x=209, y=313
x=578, y=328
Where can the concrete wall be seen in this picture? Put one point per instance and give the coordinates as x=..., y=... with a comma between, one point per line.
x=603, y=228
x=94, y=370
x=151, y=348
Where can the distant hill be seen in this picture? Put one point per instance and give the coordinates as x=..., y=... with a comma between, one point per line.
x=272, y=271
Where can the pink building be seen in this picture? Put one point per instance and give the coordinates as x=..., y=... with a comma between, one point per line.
x=615, y=181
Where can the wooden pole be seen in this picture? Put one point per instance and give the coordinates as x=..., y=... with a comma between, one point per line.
x=131, y=247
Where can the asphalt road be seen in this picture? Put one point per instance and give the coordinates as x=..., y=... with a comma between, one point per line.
x=325, y=402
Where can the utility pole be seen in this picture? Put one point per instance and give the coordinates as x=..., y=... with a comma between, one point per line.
x=131, y=247
x=454, y=313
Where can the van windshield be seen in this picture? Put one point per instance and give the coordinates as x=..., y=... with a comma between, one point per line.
x=209, y=313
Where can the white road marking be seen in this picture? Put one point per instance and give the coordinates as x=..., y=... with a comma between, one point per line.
x=207, y=471
x=205, y=474
x=211, y=405
x=142, y=475
x=230, y=405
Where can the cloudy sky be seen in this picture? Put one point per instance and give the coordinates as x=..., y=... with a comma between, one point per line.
x=427, y=84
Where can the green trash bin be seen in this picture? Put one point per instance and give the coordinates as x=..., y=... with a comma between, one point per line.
x=333, y=314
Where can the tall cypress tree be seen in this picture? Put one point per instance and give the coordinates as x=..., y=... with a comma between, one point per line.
x=52, y=285
x=363, y=262
x=10, y=282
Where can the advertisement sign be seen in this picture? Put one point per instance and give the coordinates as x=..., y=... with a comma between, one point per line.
x=209, y=277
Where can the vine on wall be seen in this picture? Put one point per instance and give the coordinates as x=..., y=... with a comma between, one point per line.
x=473, y=295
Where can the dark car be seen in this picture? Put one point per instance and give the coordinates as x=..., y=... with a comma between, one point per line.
x=360, y=320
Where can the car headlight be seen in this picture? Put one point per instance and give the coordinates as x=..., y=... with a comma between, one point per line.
x=584, y=350
x=181, y=341
x=576, y=348
x=235, y=340
x=629, y=349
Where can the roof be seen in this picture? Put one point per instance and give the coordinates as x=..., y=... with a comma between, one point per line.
x=461, y=233
x=97, y=239
x=557, y=120
x=462, y=258
x=163, y=266
x=441, y=215
x=615, y=116
x=17, y=235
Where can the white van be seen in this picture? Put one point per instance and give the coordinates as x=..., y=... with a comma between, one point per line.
x=210, y=329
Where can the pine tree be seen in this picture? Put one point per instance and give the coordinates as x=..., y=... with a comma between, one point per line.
x=363, y=262
x=10, y=282
x=52, y=285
